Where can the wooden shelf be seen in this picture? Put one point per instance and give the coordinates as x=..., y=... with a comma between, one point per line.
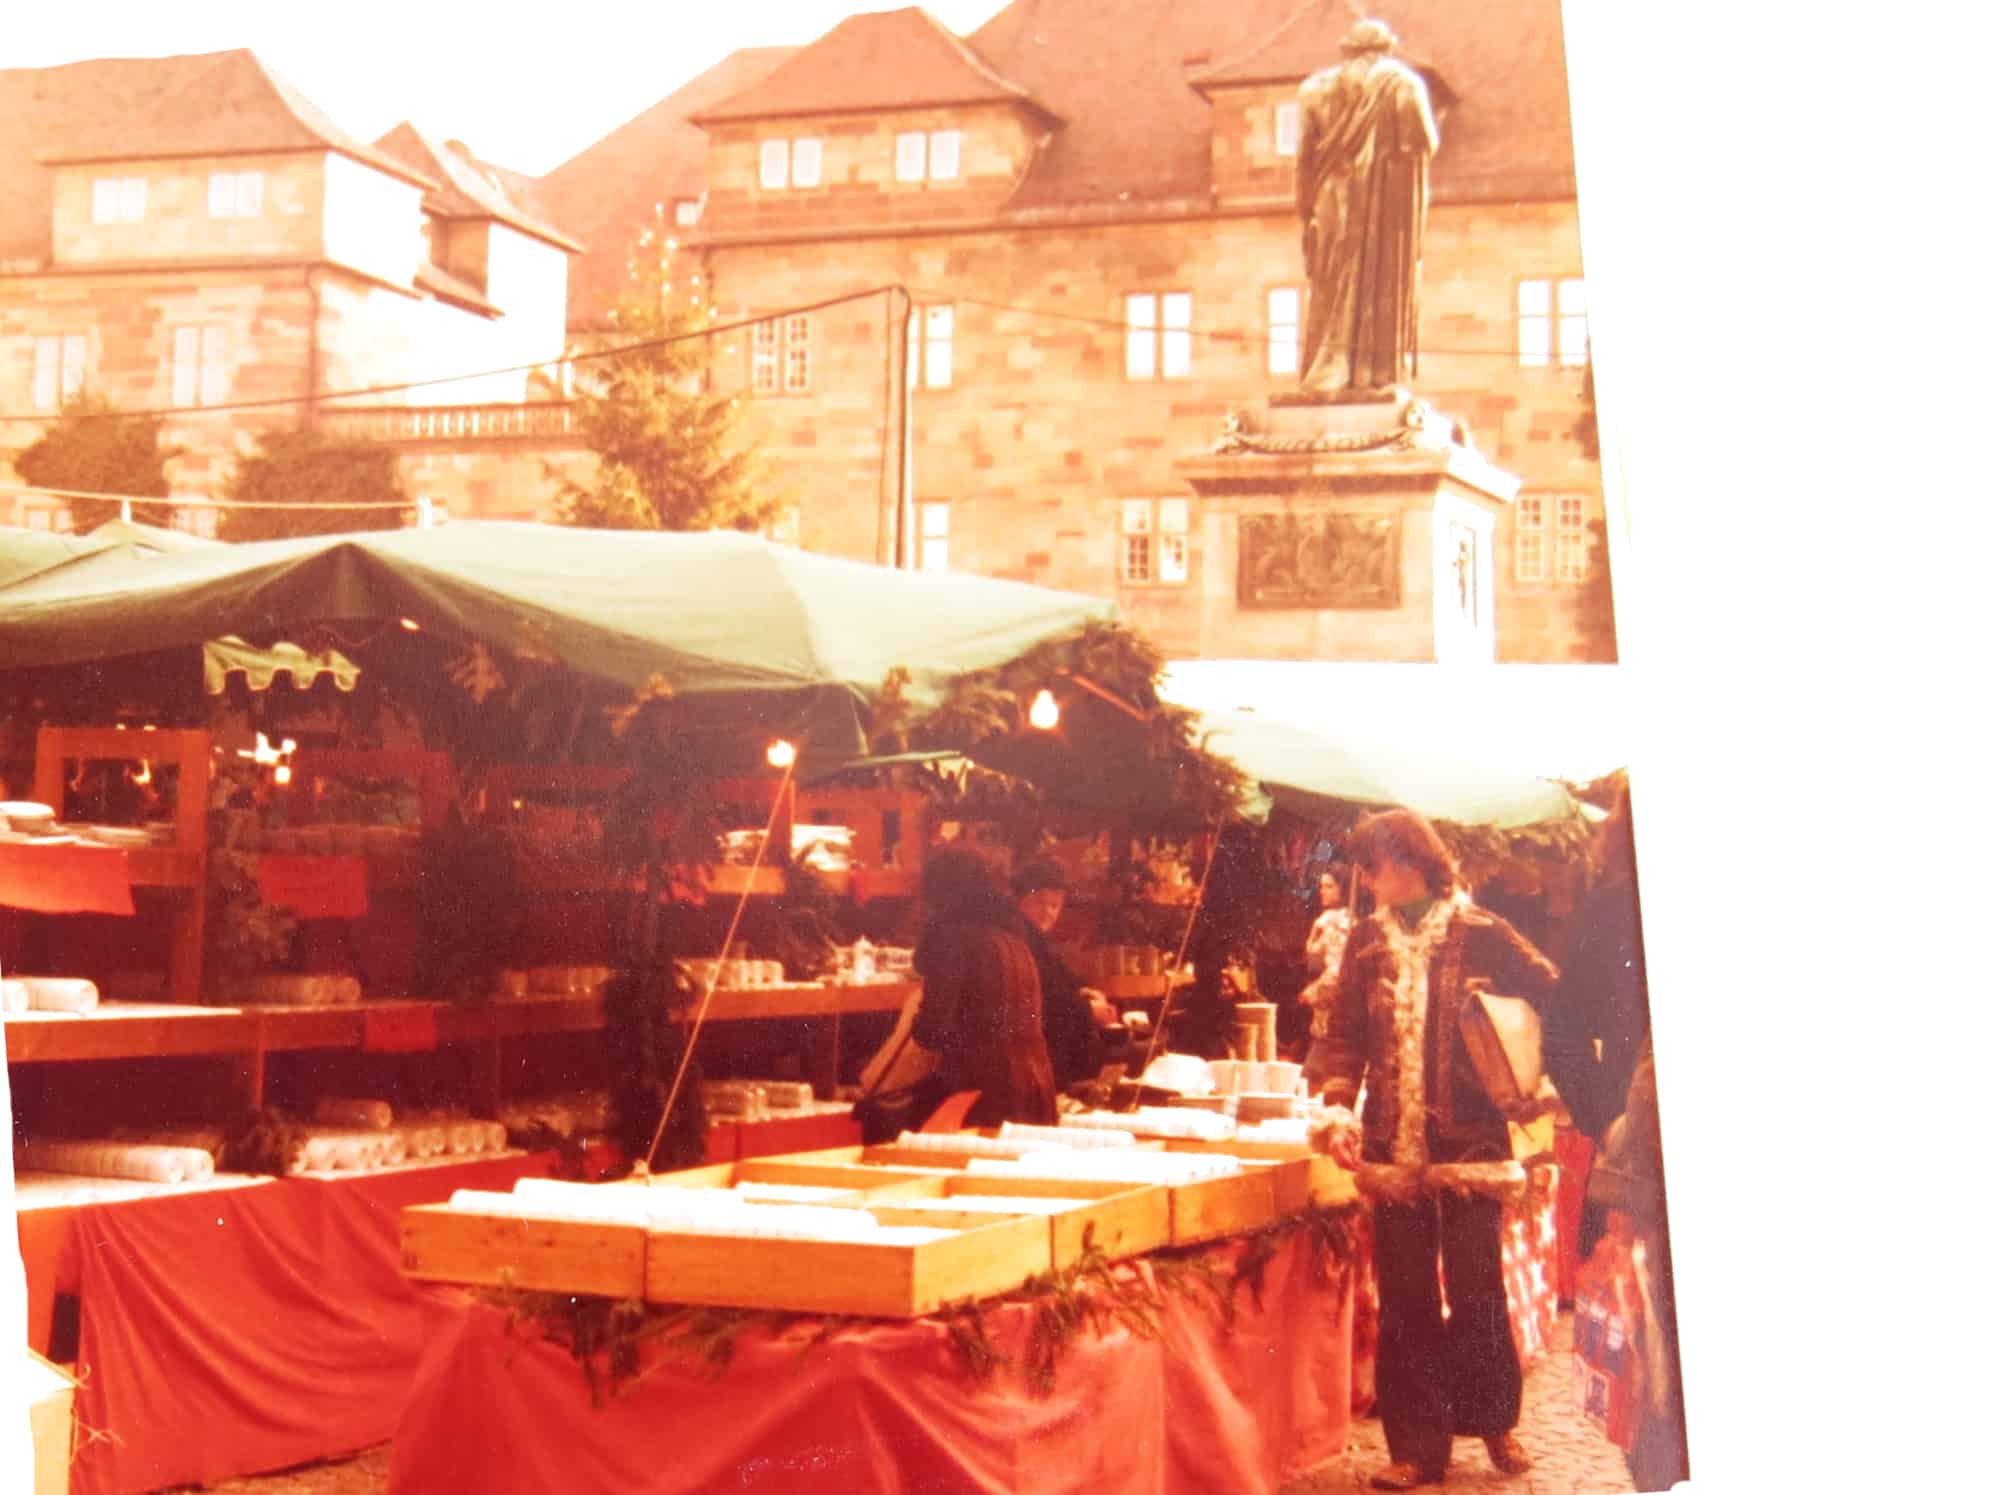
x=129, y=1030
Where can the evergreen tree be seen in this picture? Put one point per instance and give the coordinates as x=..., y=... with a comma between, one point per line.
x=669, y=454
x=296, y=467
x=93, y=449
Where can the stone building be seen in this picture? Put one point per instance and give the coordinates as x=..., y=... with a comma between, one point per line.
x=1090, y=206
x=191, y=234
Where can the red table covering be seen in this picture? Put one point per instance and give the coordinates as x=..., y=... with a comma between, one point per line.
x=65, y=879
x=889, y=1408
x=314, y=887
x=235, y=1331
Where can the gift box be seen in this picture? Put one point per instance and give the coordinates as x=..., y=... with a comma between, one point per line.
x=1606, y=1363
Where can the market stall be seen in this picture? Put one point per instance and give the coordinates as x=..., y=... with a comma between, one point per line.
x=545, y=658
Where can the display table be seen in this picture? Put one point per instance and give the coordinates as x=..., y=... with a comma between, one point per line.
x=231, y=1331
x=890, y=1407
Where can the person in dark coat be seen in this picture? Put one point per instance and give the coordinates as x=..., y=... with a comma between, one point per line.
x=981, y=1011
x=1436, y=1155
x=1603, y=1015
x=1071, y=1012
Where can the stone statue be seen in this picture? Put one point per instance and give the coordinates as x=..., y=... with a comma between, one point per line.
x=1366, y=136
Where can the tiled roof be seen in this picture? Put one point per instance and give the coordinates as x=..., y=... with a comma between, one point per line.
x=216, y=103
x=1504, y=126
x=1116, y=71
x=1120, y=71
x=604, y=194
x=467, y=189
x=892, y=59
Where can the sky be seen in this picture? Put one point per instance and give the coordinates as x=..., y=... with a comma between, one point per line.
x=524, y=86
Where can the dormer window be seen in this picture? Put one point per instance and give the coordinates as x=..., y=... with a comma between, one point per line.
x=118, y=200
x=789, y=163
x=235, y=194
x=927, y=155
x=1285, y=129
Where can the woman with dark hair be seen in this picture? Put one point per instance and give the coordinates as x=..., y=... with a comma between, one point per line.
x=981, y=1012
x=1436, y=1154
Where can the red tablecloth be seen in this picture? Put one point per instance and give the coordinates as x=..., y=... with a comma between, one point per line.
x=314, y=887
x=234, y=1331
x=65, y=879
x=889, y=1408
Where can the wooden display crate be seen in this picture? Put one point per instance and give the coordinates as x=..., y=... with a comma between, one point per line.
x=1300, y=1175
x=865, y=1278
x=442, y=1244
x=1123, y=1219
x=1217, y=1207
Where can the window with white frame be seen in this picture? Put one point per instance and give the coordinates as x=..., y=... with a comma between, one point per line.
x=789, y=163
x=934, y=536
x=1572, y=540
x=930, y=347
x=1153, y=540
x=687, y=212
x=196, y=521
x=200, y=370
x=927, y=155
x=1282, y=311
x=1531, y=538
x=59, y=368
x=235, y=194
x=48, y=516
x=1553, y=327
x=1551, y=538
x=118, y=199
x=781, y=356
x=1285, y=129
x=1159, y=341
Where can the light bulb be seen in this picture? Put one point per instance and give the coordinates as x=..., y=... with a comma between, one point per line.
x=1044, y=713
x=781, y=754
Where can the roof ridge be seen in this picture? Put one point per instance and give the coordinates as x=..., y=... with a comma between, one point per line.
x=316, y=122
x=787, y=75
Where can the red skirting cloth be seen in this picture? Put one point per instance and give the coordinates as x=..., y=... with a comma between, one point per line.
x=888, y=1407
x=235, y=1331
x=1574, y=1153
x=811, y=1133
x=65, y=879
x=314, y=887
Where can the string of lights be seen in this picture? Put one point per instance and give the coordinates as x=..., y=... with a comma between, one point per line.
x=1227, y=336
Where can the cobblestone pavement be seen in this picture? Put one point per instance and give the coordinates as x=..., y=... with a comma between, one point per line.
x=1571, y=1458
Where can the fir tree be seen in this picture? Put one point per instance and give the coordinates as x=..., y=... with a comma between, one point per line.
x=669, y=453
x=298, y=467
x=93, y=449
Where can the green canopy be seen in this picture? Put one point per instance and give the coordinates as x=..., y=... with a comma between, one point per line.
x=758, y=631
x=1310, y=772
x=25, y=552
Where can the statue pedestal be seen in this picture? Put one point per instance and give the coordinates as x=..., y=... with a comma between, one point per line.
x=1348, y=530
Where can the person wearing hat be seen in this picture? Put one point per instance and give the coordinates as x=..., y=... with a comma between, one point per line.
x=1071, y=1013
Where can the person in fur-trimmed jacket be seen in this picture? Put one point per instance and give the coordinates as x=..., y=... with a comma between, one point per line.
x=1436, y=1155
